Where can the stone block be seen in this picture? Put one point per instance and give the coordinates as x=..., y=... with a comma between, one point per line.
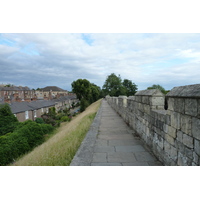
x=179, y=105
x=195, y=158
x=189, y=153
x=167, y=147
x=175, y=120
x=197, y=146
x=172, y=131
x=173, y=153
x=186, y=124
x=194, y=164
x=198, y=108
x=157, y=101
x=180, y=146
x=165, y=128
x=145, y=99
x=169, y=139
x=183, y=160
x=141, y=107
x=168, y=119
x=191, y=107
x=188, y=141
x=196, y=128
x=180, y=136
x=171, y=104
x=147, y=109
x=138, y=98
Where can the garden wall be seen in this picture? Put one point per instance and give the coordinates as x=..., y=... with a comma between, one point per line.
x=169, y=125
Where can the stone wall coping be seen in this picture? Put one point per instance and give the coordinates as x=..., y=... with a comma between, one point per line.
x=185, y=91
x=123, y=97
x=151, y=92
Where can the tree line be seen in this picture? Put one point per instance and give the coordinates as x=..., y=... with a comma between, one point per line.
x=88, y=92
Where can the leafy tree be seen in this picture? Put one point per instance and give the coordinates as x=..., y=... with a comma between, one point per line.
x=159, y=87
x=82, y=88
x=8, y=121
x=86, y=92
x=113, y=85
x=130, y=87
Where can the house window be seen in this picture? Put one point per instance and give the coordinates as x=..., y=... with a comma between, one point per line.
x=47, y=110
x=42, y=110
x=26, y=115
x=35, y=113
x=15, y=115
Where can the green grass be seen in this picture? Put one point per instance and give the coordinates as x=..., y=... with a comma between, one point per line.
x=60, y=149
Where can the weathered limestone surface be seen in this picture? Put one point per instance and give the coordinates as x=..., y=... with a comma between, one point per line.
x=172, y=134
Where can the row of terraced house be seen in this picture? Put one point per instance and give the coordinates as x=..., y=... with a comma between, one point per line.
x=29, y=104
x=34, y=109
x=19, y=94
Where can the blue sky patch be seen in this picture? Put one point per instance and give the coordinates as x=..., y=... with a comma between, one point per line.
x=6, y=42
x=87, y=38
x=30, y=50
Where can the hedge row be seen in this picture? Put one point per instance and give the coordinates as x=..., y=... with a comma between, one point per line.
x=25, y=137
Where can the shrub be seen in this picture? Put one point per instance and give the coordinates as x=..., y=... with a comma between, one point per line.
x=84, y=104
x=65, y=119
x=8, y=121
x=59, y=116
x=39, y=120
x=27, y=135
x=47, y=128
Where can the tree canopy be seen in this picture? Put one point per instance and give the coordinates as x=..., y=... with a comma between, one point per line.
x=86, y=92
x=114, y=86
x=8, y=121
x=159, y=87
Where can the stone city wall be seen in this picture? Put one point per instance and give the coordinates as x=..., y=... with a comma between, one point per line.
x=169, y=125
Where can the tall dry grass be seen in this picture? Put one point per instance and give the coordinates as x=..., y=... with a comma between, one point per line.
x=60, y=149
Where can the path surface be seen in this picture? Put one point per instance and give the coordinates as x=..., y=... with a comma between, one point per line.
x=114, y=144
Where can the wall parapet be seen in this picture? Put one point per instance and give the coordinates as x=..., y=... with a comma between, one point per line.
x=172, y=134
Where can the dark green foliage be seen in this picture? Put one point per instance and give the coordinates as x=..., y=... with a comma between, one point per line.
x=59, y=116
x=47, y=128
x=130, y=87
x=52, y=112
x=114, y=86
x=66, y=111
x=65, y=119
x=8, y=121
x=39, y=120
x=25, y=137
x=86, y=92
x=84, y=104
x=159, y=87
x=82, y=88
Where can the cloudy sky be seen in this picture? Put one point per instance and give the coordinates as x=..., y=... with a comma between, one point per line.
x=39, y=60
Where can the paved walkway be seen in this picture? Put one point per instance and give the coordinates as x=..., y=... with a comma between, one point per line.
x=114, y=144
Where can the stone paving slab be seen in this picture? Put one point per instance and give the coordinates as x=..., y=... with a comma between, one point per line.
x=104, y=149
x=144, y=156
x=135, y=148
x=99, y=157
x=106, y=164
x=123, y=142
x=113, y=144
x=121, y=157
x=137, y=163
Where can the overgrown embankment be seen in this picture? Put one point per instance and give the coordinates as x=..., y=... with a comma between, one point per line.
x=60, y=149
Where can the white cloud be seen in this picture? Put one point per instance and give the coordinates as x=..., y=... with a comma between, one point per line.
x=62, y=58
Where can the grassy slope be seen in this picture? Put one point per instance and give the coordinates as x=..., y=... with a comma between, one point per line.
x=60, y=149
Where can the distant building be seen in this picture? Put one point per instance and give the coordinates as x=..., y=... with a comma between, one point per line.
x=19, y=94
x=51, y=92
x=16, y=94
x=34, y=109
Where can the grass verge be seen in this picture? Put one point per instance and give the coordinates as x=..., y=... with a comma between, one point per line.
x=60, y=149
